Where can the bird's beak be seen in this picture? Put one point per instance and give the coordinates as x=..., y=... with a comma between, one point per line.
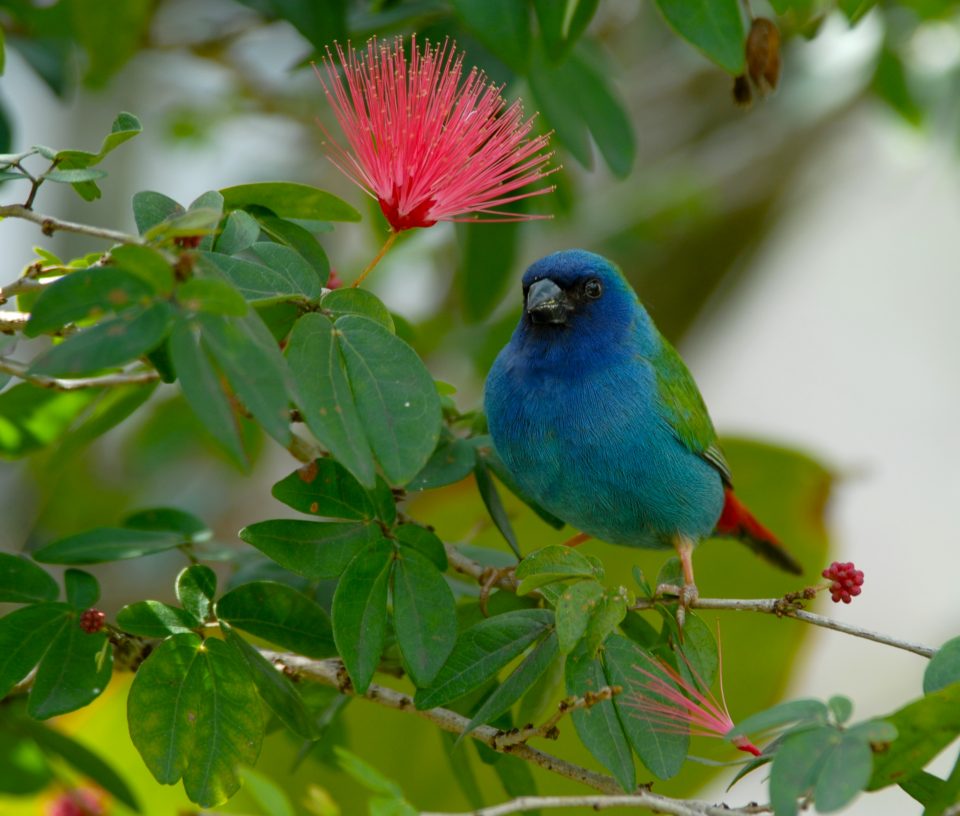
x=547, y=303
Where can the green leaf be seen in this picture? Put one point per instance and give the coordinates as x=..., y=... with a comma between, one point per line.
x=239, y=232
x=289, y=200
x=549, y=564
x=714, y=26
x=106, y=544
x=923, y=787
x=394, y=394
x=574, y=610
x=269, y=796
x=281, y=615
x=352, y=301
x=113, y=407
x=204, y=391
x=154, y=619
x=32, y=417
x=452, y=460
x=172, y=520
x=194, y=713
x=796, y=766
x=146, y=263
x=891, y=84
x=423, y=541
x=943, y=668
x=599, y=726
x=211, y=295
x=291, y=266
x=487, y=260
x=517, y=683
x=503, y=26
x=846, y=770
x=945, y=795
x=576, y=97
x=196, y=588
x=151, y=209
x=81, y=759
x=424, y=616
x=662, y=753
x=108, y=344
x=73, y=672
x=22, y=581
x=700, y=651
x=24, y=768
x=325, y=488
x=248, y=355
x=494, y=504
x=25, y=636
x=192, y=223
x=360, y=612
x=481, y=651
x=124, y=128
x=83, y=590
x=365, y=774
x=561, y=24
x=924, y=728
x=326, y=400
x=110, y=36
x=275, y=688
x=312, y=549
x=787, y=713
x=74, y=176
x=299, y=240
x=841, y=707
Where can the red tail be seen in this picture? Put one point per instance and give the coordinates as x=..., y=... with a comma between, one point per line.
x=737, y=522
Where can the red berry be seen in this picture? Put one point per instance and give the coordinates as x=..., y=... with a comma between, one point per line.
x=846, y=580
x=334, y=282
x=92, y=620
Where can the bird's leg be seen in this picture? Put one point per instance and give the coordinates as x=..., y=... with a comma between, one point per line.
x=688, y=592
x=576, y=540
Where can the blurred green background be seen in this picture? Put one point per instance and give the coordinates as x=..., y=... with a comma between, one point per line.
x=802, y=253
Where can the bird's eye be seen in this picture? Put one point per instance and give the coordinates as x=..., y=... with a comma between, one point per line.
x=593, y=288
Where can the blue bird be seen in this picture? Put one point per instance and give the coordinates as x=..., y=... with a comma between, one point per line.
x=598, y=420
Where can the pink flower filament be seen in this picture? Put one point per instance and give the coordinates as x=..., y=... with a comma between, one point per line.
x=428, y=146
x=675, y=705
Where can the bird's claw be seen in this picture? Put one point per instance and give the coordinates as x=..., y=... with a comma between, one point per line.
x=686, y=596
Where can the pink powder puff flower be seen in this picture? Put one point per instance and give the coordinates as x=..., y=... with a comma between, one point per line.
x=428, y=146
x=675, y=704
x=77, y=802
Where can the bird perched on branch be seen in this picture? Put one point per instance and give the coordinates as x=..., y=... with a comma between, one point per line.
x=598, y=419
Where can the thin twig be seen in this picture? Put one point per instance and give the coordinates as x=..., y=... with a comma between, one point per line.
x=49, y=225
x=548, y=729
x=20, y=371
x=24, y=284
x=643, y=799
x=11, y=322
x=379, y=256
x=777, y=606
x=332, y=673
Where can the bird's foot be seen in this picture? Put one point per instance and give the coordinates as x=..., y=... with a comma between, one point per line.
x=686, y=596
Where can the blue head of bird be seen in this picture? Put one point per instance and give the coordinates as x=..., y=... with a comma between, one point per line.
x=578, y=309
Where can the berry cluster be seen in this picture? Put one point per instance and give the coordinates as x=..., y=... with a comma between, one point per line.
x=92, y=620
x=847, y=581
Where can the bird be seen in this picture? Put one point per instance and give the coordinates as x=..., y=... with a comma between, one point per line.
x=597, y=418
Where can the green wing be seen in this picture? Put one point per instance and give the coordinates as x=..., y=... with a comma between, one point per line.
x=683, y=410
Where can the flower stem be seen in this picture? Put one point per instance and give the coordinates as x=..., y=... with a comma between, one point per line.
x=383, y=251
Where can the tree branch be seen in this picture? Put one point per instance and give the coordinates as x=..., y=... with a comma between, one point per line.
x=20, y=370
x=332, y=673
x=644, y=799
x=11, y=321
x=788, y=609
x=548, y=730
x=49, y=225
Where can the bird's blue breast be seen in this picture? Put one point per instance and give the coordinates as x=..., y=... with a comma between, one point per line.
x=581, y=433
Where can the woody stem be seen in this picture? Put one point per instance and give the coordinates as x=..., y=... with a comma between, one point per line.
x=383, y=251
